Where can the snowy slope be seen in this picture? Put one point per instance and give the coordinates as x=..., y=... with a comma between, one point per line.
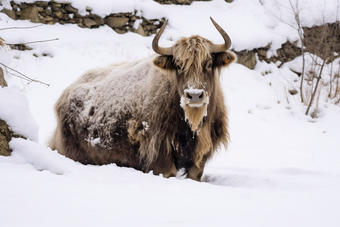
x=281, y=169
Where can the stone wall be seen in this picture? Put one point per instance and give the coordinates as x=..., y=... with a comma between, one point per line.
x=183, y=2
x=178, y=2
x=322, y=41
x=286, y=53
x=64, y=13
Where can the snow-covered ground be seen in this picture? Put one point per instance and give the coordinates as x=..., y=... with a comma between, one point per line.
x=281, y=169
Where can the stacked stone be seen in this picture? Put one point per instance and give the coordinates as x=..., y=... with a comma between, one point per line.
x=175, y=2
x=64, y=13
x=286, y=53
x=5, y=136
x=182, y=2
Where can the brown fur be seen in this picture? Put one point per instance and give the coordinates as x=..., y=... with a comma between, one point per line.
x=130, y=114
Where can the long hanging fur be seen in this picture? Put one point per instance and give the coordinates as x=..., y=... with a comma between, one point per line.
x=130, y=113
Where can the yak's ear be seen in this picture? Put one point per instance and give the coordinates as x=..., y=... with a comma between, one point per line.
x=164, y=62
x=224, y=59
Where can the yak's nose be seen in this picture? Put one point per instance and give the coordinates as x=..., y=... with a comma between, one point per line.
x=195, y=96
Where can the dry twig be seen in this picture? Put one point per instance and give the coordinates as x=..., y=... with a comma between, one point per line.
x=23, y=76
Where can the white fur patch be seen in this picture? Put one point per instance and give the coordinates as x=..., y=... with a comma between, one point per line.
x=182, y=102
x=145, y=125
x=93, y=141
x=195, y=105
x=194, y=91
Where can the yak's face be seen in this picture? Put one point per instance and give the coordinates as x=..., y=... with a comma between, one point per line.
x=195, y=71
x=194, y=78
x=195, y=91
x=196, y=63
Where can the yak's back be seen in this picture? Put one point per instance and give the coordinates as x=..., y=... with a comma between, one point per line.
x=97, y=107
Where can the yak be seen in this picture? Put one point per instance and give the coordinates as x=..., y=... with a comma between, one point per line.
x=163, y=113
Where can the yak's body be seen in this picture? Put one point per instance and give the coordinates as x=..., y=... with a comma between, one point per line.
x=131, y=114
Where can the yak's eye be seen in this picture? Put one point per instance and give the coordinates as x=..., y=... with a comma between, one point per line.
x=209, y=66
x=178, y=67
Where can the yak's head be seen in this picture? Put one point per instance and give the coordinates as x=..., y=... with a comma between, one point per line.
x=197, y=63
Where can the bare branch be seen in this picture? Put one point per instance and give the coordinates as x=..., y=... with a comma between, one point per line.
x=1, y=29
x=316, y=86
x=24, y=76
x=41, y=41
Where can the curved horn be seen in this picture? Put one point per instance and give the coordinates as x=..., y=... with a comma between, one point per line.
x=158, y=49
x=218, y=48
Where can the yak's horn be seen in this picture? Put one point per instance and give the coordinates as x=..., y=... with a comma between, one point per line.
x=161, y=50
x=218, y=48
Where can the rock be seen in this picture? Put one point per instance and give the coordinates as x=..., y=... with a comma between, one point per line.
x=2, y=78
x=20, y=46
x=99, y=21
x=120, y=31
x=150, y=27
x=89, y=22
x=48, y=12
x=70, y=9
x=64, y=2
x=176, y=2
x=41, y=4
x=58, y=14
x=262, y=52
x=49, y=19
x=30, y=13
x=4, y=148
x=293, y=92
x=116, y=22
x=66, y=17
x=63, y=12
x=23, y=6
x=56, y=7
x=5, y=137
x=184, y=2
x=140, y=30
x=41, y=9
x=246, y=58
x=10, y=13
x=81, y=25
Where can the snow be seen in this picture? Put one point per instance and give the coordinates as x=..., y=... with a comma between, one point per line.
x=281, y=168
x=15, y=111
x=145, y=125
x=194, y=91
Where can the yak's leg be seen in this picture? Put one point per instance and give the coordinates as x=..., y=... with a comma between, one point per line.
x=165, y=167
x=172, y=172
x=195, y=172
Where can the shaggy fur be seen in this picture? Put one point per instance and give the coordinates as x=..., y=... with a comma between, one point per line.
x=130, y=114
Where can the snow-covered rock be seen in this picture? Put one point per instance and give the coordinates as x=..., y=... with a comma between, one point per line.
x=14, y=110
